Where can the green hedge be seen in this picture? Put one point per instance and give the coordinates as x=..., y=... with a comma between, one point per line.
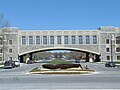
x=61, y=66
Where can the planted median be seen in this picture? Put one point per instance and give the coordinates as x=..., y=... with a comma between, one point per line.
x=60, y=66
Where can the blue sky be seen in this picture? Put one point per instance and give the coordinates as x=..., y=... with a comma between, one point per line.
x=61, y=14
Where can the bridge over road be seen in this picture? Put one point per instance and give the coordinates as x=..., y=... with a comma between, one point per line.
x=103, y=44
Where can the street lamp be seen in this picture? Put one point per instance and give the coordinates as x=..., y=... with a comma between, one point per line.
x=112, y=39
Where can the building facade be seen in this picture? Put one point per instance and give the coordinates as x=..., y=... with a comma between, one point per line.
x=103, y=43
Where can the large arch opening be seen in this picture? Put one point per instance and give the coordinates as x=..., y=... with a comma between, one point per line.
x=89, y=54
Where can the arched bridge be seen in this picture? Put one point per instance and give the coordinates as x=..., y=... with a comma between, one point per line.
x=83, y=41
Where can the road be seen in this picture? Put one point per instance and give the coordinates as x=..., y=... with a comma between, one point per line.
x=19, y=79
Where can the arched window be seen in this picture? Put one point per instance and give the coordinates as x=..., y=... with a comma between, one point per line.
x=23, y=39
x=30, y=39
x=0, y=41
x=107, y=41
x=118, y=40
x=80, y=40
x=44, y=39
x=87, y=39
x=51, y=39
x=94, y=39
x=37, y=39
x=59, y=41
x=108, y=57
x=65, y=39
x=1, y=50
x=73, y=40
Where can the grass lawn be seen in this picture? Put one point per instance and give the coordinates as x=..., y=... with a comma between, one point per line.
x=59, y=61
x=2, y=66
x=117, y=62
x=1, y=63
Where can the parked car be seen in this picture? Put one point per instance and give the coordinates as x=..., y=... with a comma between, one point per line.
x=30, y=62
x=9, y=64
x=109, y=64
x=77, y=61
x=17, y=63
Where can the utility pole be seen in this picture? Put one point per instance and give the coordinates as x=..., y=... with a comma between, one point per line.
x=111, y=51
x=112, y=39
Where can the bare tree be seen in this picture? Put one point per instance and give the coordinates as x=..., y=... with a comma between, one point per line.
x=76, y=55
x=56, y=55
x=3, y=24
x=42, y=55
x=3, y=21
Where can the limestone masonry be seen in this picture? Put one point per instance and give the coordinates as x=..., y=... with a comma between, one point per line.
x=103, y=44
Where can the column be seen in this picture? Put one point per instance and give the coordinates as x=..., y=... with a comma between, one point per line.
x=97, y=58
x=21, y=58
x=30, y=56
x=87, y=57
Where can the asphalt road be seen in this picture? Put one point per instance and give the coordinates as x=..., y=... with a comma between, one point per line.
x=19, y=79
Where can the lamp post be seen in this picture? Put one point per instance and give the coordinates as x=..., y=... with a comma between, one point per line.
x=112, y=39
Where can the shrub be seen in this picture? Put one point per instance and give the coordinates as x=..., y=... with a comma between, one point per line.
x=49, y=66
x=61, y=66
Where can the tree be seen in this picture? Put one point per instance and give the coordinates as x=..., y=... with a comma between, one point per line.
x=42, y=55
x=3, y=21
x=3, y=24
x=55, y=55
x=76, y=55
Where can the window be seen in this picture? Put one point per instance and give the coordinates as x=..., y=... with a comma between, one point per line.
x=107, y=41
x=30, y=39
x=118, y=49
x=10, y=58
x=10, y=42
x=44, y=39
x=37, y=39
x=65, y=39
x=80, y=40
x=23, y=39
x=59, y=40
x=51, y=39
x=1, y=51
x=73, y=40
x=87, y=39
x=118, y=40
x=10, y=50
x=94, y=39
x=107, y=50
x=108, y=57
x=118, y=57
x=0, y=58
x=0, y=41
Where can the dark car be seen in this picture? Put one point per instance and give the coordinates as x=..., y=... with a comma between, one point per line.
x=77, y=61
x=109, y=64
x=9, y=64
x=30, y=62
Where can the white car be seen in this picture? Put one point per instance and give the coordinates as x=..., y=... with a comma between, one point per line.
x=17, y=63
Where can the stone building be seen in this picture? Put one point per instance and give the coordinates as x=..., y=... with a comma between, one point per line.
x=103, y=44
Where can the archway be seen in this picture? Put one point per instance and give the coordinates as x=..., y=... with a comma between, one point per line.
x=89, y=54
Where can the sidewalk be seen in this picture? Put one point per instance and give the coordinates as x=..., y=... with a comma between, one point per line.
x=118, y=64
